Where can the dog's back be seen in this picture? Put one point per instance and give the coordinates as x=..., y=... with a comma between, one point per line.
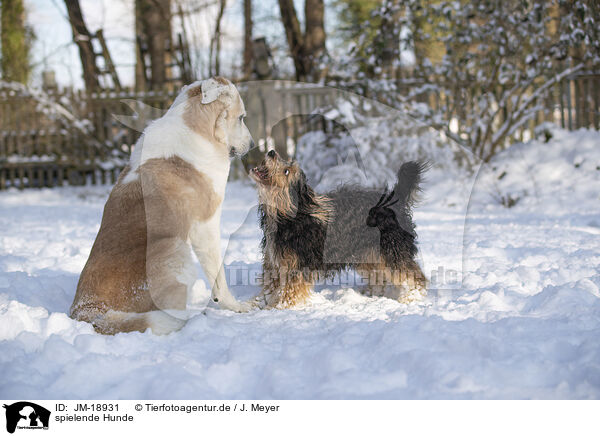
x=351, y=239
x=113, y=293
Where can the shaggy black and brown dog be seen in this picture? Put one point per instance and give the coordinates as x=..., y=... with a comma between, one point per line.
x=307, y=235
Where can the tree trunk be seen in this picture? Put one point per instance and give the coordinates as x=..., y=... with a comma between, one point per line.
x=314, y=39
x=390, y=34
x=155, y=30
x=141, y=80
x=215, y=43
x=247, y=38
x=15, y=44
x=294, y=36
x=304, y=48
x=430, y=44
x=83, y=39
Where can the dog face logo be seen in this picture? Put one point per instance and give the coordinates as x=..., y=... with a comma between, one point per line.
x=382, y=215
x=26, y=415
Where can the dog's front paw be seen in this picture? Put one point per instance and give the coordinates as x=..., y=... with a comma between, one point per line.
x=245, y=306
x=236, y=306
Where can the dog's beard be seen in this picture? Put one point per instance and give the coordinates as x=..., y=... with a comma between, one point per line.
x=277, y=202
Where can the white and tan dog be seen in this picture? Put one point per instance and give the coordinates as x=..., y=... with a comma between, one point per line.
x=167, y=199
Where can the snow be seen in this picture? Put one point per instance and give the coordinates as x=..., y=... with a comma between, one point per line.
x=524, y=323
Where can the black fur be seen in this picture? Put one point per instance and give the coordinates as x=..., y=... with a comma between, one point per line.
x=364, y=224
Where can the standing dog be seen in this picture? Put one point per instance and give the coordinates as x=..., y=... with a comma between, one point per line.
x=168, y=198
x=306, y=235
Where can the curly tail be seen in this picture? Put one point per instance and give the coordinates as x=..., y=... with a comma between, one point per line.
x=410, y=176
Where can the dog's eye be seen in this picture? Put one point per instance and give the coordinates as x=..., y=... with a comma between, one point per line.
x=286, y=172
x=242, y=118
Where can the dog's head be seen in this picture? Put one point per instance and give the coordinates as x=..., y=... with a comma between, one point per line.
x=281, y=185
x=214, y=109
x=283, y=191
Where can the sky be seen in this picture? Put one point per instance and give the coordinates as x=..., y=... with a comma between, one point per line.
x=53, y=48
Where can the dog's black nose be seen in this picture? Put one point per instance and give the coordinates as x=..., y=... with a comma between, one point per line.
x=272, y=154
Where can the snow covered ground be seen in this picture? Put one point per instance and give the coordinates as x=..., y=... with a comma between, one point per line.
x=525, y=323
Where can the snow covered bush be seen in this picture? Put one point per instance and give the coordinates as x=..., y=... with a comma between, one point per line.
x=365, y=142
x=484, y=69
x=502, y=60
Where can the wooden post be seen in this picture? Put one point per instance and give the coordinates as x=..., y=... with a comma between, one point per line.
x=569, y=104
x=21, y=177
x=596, y=88
x=579, y=99
x=12, y=176
x=561, y=102
x=589, y=102
x=31, y=177
x=60, y=175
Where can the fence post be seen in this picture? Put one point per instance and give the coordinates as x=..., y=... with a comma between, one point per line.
x=596, y=88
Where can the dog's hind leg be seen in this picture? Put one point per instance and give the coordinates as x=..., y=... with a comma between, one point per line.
x=408, y=283
x=404, y=283
x=110, y=322
x=160, y=322
x=374, y=273
x=170, y=272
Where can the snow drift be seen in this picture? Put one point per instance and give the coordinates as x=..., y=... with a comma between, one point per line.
x=523, y=323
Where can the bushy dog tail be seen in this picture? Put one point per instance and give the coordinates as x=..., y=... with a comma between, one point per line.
x=410, y=176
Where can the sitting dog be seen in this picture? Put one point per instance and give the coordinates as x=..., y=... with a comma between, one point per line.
x=167, y=198
x=307, y=236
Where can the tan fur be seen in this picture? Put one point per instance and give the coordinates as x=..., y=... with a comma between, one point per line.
x=402, y=285
x=202, y=118
x=275, y=195
x=141, y=243
x=212, y=120
x=284, y=285
x=324, y=211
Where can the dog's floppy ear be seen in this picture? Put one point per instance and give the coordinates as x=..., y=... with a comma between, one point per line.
x=216, y=88
x=220, y=90
x=302, y=194
x=221, y=128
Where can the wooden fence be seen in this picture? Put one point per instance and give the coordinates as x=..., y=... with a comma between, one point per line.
x=578, y=102
x=573, y=103
x=40, y=147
